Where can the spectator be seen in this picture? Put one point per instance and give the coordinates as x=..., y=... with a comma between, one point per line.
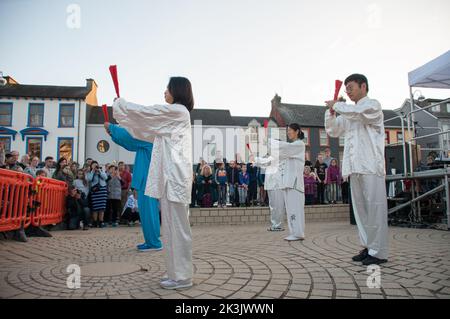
x=49, y=166
x=11, y=163
x=333, y=180
x=244, y=181
x=62, y=172
x=74, y=166
x=253, y=184
x=221, y=181
x=25, y=161
x=126, y=182
x=260, y=175
x=320, y=170
x=15, y=154
x=130, y=211
x=310, y=179
x=41, y=173
x=114, y=195
x=327, y=158
x=233, y=182
x=200, y=165
x=345, y=190
x=194, y=191
x=75, y=211
x=205, y=187
x=99, y=193
x=32, y=168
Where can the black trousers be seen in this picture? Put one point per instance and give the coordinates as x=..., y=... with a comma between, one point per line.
x=115, y=206
x=321, y=193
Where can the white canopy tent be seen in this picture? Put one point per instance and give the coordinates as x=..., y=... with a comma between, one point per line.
x=435, y=74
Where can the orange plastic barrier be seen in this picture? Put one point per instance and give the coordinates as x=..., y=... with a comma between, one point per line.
x=14, y=199
x=50, y=195
x=25, y=200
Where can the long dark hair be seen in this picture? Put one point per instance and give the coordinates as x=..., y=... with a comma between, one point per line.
x=296, y=127
x=181, y=90
x=58, y=164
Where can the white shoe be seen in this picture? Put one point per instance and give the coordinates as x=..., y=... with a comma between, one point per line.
x=293, y=238
x=173, y=284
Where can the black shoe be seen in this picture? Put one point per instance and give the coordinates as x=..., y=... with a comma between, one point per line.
x=370, y=260
x=363, y=254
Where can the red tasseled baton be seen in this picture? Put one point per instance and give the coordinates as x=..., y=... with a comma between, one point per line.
x=338, y=85
x=105, y=112
x=113, y=71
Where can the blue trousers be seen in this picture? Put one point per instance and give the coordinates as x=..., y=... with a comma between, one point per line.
x=149, y=215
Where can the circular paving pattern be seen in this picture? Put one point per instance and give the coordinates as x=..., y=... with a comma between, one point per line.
x=229, y=262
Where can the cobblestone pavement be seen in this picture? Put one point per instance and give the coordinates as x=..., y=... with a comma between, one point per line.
x=230, y=262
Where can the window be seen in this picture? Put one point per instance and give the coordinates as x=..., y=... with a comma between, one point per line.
x=342, y=140
x=341, y=158
x=65, y=148
x=253, y=132
x=436, y=108
x=6, y=114
x=400, y=137
x=34, y=147
x=386, y=138
x=324, y=140
x=6, y=142
x=103, y=146
x=306, y=132
x=448, y=107
x=35, y=115
x=66, y=115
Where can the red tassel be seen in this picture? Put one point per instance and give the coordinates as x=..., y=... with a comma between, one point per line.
x=113, y=71
x=105, y=112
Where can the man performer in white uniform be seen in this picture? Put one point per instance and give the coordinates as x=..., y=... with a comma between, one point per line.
x=363, y=129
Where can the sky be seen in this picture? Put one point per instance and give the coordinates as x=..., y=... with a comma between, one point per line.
x=237, y=53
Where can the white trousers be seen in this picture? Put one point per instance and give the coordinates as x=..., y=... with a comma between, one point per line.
x=292, y=202
x=177, y=239
x=371, y=213
x=276, y=203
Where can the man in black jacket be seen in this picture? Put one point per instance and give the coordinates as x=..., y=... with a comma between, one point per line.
x=233, y=182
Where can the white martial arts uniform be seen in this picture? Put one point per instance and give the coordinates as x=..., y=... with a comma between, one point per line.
x=272, y=184
x=170, y=174
x=288, y=159
x=363, y=128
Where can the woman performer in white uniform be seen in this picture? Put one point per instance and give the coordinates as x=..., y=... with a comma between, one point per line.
x=289, y=159
x=170, y=175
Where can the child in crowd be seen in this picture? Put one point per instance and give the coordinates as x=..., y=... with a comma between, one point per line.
x=221, y=181
x=333, y=180
x=114, y=194
x=130, y=212
x=244, y=180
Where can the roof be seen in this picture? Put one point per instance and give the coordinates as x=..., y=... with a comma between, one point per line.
x=434, y=74
x=94, y=115
x=212, y=117
x=313, y=115
x=45, y=91
x=245, y=120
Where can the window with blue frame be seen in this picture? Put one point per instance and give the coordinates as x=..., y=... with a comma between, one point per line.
x=66, y=115
x=6, y=114
x=36, y=115
x=34, y=147
x=5, y=142
x=65, y=148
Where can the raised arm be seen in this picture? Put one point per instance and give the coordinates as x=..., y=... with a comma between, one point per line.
x=284, y=150
x=121, y=137
x=368, y=111
x=335, y=126
x=144, y=122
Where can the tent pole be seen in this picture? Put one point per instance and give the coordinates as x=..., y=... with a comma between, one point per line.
x=410, y=119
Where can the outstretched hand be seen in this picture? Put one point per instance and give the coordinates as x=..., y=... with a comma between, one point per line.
x=106, y=125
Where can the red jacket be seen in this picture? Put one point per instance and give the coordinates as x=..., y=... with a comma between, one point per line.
x=126, y=179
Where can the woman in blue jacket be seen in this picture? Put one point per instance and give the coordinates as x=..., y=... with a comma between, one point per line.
x=148, y=207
